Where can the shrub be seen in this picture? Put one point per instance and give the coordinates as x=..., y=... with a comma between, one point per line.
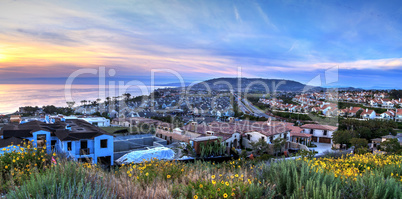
x=264, y=157
x=16, y=164
x=294, y=179
x=65, y=180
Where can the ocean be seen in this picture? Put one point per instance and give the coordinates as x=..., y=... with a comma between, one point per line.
x=13, y=96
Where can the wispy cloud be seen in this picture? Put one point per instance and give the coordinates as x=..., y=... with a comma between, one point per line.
x=265, y=17
x=237, y=15
x=196, y=38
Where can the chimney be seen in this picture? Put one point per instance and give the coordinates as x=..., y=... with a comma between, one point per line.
x=192, y=128
x=269, y=122
x=366, y=109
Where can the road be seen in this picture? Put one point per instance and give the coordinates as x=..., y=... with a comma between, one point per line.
x=256, y=111
x=248, y=108
x=242, y=107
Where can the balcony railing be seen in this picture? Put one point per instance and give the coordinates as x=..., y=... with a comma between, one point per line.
x=84, y=151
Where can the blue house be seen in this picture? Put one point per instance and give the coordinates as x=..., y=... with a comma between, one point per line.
x=78, y=139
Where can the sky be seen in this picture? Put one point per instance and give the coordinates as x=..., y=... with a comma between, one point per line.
x=45, y=42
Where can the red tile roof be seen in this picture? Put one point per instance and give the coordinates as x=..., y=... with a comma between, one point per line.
x=368, y=112
x=319, y=126
x=175, y=136
x=294, y=129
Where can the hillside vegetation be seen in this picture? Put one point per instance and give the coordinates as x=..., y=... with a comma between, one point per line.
x=254, y=85
x=351, y=176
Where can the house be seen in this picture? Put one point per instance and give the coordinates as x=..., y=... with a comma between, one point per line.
x=203, y=140
x=227, y=132
x=15, y=118
x=352, y=112
x=398, y=115
x=368, y=114
x=343, y=112
x=387, y=103
x=171, y=137
x=389, y=115
x=377, y=141
x=375, y=103
x=333, y=112
x=326, y=108
x=77, y=139
x=320, y=133
x=297, y=135
x=97, y=121
x=267, y=132
x=121, y=122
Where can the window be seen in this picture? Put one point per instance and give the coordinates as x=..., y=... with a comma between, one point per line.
x=53, y=144
x=311, y=131
x=325, y=132
x=84, y=144
x=68, y=146
x=41, y=140
x=103, y=143
x=248, y=136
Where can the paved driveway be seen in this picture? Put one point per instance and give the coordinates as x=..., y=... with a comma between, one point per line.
x=321, y=148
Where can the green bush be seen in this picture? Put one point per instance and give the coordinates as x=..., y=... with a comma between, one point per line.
x=264, y=157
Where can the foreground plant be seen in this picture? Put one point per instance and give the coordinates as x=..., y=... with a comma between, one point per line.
x=65, y=180
x=17, y=163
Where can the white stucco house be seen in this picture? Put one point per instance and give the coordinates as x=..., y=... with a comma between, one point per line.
x=320, y=133
x=368, y=114
x=398, y=115
x=389, y=115
x=97, y=121
x=268, y=135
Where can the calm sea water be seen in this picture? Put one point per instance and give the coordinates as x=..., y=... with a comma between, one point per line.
x=13, y=96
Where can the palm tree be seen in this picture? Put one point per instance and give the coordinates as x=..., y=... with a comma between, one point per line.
x=107, y=100
x=96, y=104
x=70, y=104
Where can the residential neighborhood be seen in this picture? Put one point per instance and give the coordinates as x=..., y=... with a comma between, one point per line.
x=363, y=105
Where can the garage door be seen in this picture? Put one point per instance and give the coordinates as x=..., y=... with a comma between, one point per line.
x=314, y=139
x=325, y=140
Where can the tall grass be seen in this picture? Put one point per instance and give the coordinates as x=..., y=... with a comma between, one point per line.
x=65, y=180
x=303, y=178
x=296, y=179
